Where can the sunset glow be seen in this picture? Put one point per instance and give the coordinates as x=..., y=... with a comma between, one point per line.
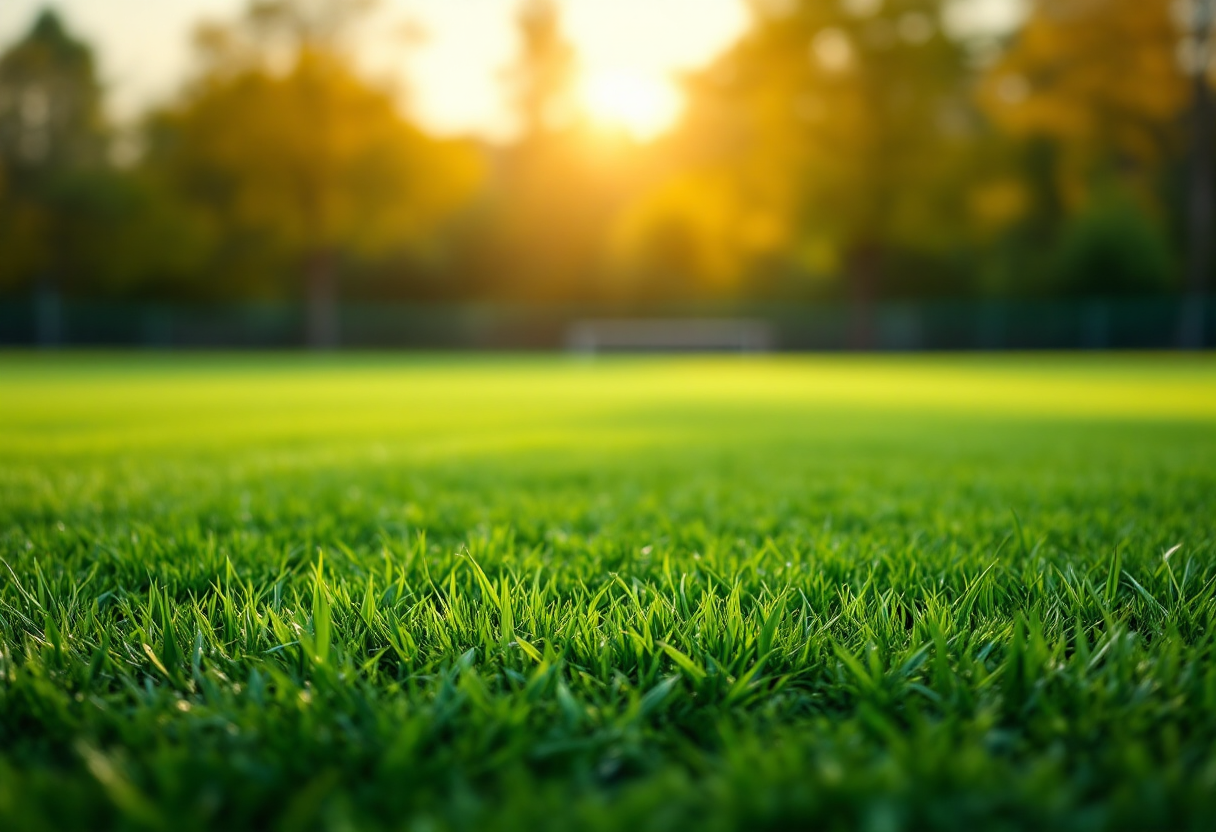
x=640, y=104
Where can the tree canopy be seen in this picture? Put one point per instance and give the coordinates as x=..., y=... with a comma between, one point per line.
x=840, y=148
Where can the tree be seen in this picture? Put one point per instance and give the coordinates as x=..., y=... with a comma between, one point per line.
x=1201, y=205
x=1101, y=79
x=50, y=104
x=297, y=159
x=541, y=81
x=52, y=139
x=1097, y=87
x=831, y=133
x=557, y=184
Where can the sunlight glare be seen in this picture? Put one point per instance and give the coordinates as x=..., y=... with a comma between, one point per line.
x=643, y=105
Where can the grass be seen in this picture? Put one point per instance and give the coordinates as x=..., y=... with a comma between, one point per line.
x=440, y=593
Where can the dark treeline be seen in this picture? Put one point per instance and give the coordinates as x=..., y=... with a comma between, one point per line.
x=860, y=149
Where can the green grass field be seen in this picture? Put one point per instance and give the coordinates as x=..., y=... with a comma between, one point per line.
x=470, y=593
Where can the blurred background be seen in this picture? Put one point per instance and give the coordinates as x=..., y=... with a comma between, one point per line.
x=542, y=174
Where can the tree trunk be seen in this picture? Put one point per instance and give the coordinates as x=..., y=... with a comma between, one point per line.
x=322, y=307
x=863, y=270
x=1199, y=210
x=48, y=313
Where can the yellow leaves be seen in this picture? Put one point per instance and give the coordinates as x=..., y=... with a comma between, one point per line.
x=761, y=231
x=1091, y=73
x=24, y=240
x=818, y=255
x=999, y=203
x=317, y=158
x=698, y=227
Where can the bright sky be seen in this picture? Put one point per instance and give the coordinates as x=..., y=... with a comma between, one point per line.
x=629, y=50
x=454, y=74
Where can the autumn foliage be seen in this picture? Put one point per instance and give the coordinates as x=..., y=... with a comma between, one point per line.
x=860, y=149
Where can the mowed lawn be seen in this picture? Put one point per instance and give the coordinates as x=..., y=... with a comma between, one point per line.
x=478, y=593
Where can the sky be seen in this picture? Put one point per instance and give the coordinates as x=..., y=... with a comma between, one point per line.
x=630, y=50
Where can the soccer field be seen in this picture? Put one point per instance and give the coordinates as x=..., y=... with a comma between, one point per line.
x=497, y=593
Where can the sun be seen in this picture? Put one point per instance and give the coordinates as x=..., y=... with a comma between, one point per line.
x=642, y=105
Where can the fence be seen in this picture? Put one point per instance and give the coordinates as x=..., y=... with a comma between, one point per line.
x=1146, y=323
